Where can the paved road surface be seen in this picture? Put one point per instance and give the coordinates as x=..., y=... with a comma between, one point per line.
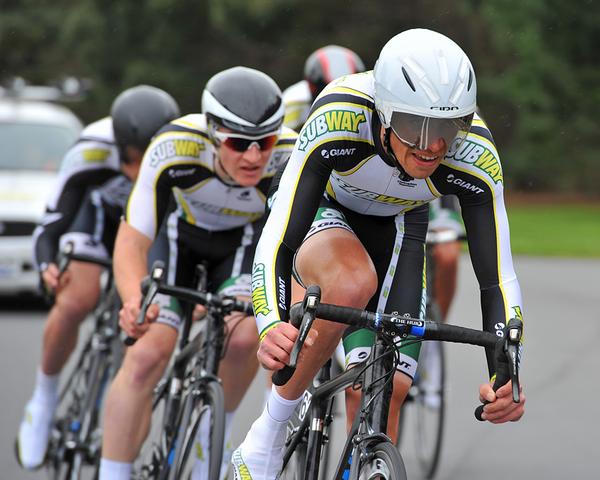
x=558, y=438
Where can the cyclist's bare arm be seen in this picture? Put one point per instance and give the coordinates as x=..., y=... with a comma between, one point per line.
x=130, y=267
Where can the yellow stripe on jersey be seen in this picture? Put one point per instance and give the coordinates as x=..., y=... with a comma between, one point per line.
x=486, y=179
x=156, y=178
x=187, y=213
x=434, y=191
x=329, y=190
x=351, y=91
x=357, y=167
x=328, y=107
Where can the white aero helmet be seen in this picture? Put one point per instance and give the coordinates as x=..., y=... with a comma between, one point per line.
x=425, y=88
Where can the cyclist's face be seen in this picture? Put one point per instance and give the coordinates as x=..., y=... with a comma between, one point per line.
x=246, y=167
x=416, y=162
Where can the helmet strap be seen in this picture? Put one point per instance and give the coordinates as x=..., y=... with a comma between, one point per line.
x=405, y=177
x=228, y=180
x=123, y=157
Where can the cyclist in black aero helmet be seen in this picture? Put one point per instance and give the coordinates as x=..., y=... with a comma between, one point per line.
x=218, y=166
x=85, y=208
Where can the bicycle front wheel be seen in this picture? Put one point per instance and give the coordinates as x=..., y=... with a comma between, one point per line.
x=385, y=463
x=295, y=467
x=206, y=406
x=422, y=419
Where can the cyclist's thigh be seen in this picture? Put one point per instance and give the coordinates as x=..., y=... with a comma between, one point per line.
x=396, y=246
x=231, y=272
x=331, y=253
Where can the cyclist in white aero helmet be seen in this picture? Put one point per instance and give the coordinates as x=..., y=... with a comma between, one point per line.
x=436, y=100
x=376, y=149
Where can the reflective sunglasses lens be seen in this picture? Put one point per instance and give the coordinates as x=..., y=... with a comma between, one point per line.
x=237, y=144
x=242, y=144
x=266, y=143
x=420, y=132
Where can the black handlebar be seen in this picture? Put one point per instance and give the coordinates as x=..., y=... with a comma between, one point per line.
x=154, y=284
x=506, y=348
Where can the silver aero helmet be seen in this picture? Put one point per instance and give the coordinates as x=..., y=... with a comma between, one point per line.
x=243, y=100
x=425, y=88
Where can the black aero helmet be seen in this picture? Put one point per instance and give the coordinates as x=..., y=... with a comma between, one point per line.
x=328, y=63
x=243, y=100
x=139, y=112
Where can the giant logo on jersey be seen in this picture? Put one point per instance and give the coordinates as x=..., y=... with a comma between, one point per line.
x=259, y=290
x=479, y=156
x=332, y=121
x=174, y=148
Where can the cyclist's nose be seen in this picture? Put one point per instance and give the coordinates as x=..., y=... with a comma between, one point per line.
x=435, y=145
x=252, y=154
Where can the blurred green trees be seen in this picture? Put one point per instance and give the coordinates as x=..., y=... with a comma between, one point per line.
x=536, y=61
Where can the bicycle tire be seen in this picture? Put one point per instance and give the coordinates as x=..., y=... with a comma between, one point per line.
x=210, y=400
x=295, y=468
x=385, y=463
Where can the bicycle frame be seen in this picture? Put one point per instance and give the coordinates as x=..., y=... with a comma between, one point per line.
x=370, y=424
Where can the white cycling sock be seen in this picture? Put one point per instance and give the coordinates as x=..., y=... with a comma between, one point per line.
x=200, y=469
x=46, y=388
x=280, y=409
x=112, y=470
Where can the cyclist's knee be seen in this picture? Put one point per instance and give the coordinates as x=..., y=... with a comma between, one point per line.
x=446, y=255
x=350, y=285
x=145, y=362
x=242, y=345
x=72, y=308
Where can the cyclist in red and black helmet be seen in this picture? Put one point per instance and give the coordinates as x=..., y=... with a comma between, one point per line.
x=321, y=67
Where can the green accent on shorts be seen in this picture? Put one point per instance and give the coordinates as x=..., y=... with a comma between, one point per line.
x=366, y=338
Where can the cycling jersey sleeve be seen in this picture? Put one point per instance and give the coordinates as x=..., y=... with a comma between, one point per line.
x=79, y=174
x=332, y=127
x=474, y=174
x=171, y=162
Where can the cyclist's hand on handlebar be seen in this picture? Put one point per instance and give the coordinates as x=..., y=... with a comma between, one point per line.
x=199, y=312
x=128, y=317
x=501, y=407
x=52, y=279
x=275, y=349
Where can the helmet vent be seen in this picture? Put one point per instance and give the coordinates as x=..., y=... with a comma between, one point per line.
x=408, y=80
x=470, y=80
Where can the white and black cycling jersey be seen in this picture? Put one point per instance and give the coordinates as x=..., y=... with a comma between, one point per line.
x=297, y=99
x=90, y=162
x=339, y=154
x=180, y=162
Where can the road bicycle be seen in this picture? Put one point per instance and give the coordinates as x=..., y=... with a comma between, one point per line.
x=422, y=416
x=191, y=387
x=75, y=438
x=369, y=453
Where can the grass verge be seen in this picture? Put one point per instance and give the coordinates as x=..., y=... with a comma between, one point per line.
x=571, y=230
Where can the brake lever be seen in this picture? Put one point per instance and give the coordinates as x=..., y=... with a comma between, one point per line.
x=513, y=340
x=309, y=307
x=510, y=354
x=65, y=258
x=156, y=277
